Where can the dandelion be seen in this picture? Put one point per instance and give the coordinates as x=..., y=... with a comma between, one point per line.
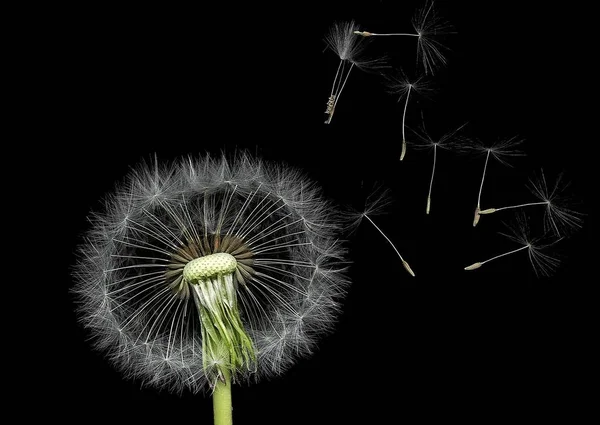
x=400, y=85
x=350, y=49
x=500, y=151
x=375, y=204
x=425, y=141
x=210, y=272
x=519, y=232
x=558, y=218
x=429, y=27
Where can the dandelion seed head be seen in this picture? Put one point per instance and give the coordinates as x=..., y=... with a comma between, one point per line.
x=399, y=84
x=377, y=202
x=447, y=141
x=430, y=28
x=208, y=266
x=257, y=237
x=343, y=40
x=559, y=218
x=519, y=232
x=501, y=150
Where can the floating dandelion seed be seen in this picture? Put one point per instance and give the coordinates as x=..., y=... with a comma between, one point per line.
x=499, y=151
x=210, y=272
x=425, y=141
x=558, y=219
x=375, y=204
x=542, y=263
x=400, y=85
x=350, y=49
x=429, y=27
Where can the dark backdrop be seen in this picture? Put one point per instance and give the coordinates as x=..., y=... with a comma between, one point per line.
x=164, y=80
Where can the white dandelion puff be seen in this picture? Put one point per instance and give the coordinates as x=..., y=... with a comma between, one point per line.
x=350, y=49
x=211, y=271
x=429, y=29
x=445, y=142
x=400, y=85
x=558, y=217
x=500, y=151
x=543, y=264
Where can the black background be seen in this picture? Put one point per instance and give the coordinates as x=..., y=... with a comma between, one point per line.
x=132, y=83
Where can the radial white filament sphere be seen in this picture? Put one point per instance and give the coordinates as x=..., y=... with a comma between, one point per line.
x=209, y=266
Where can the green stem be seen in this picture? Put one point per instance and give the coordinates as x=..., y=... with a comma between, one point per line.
x=222, y=407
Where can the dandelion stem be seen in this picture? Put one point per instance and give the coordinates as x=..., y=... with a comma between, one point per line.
x=403, y=121
x=506, y=253
x=478, y=208
x=487, y=157
x=337, y=73
x=404, y=263
x=222, y=406
x=339, y=93
x=431, y=180
x=521, y=205
x=481, y=263
x=369, y=34
x=397, y=33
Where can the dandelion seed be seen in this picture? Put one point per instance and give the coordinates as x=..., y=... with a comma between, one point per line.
x=404, y=262
x=542, y=263
x=425, y=141
x=499, y=151
x=198, y=284
x=428, y=27
x=374, y=205
x=400, y=85
x=350, y=49
x=558, y=218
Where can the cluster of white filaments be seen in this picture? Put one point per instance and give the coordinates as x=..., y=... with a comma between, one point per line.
x=209, y=268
